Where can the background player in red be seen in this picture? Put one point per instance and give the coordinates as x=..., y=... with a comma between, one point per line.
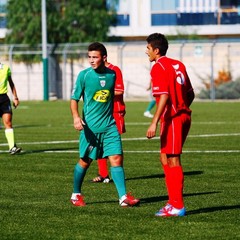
x=118, y=114
x=174, y=94
x=151, y=104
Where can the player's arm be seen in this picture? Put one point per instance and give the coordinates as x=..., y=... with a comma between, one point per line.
x=120, y=107
x=150, y=86
x=160, y=92
x=75, y=97
x=119, y=85
x=117, y=93
x=190, y=97
x=190, y=92
x=77, y=121
x=151, y=132
x=14, y=91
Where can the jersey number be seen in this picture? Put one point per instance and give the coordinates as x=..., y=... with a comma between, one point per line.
x=180, y=76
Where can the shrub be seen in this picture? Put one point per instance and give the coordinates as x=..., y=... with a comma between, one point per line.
x=228, y=90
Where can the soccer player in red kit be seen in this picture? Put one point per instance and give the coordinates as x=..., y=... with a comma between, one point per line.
x=174, y=94
x=118, y=114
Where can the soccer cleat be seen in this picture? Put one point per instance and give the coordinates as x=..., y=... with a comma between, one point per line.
x=100, y=179
x=106, y=180
x=170, y=211
x=128, y=201
x=147, y=114
x=15, y=150
x=78, y=201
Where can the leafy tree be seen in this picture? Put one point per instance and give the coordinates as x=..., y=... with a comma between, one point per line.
x=67, y=21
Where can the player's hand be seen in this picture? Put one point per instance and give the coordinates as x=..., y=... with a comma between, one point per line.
x=78, y=123
x=15, y=102
x=151, y=132
x=123, y=113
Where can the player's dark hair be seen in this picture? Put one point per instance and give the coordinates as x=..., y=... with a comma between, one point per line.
x=158, y=40
x=97, y=46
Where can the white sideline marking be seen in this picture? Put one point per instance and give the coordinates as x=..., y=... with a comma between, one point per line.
x=190, y=151
x=216, y=135
x=154, y=151
x=127, y=139
x=193, y=123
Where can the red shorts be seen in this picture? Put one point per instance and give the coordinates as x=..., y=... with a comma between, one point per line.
x=174, y=133
x=119, y=119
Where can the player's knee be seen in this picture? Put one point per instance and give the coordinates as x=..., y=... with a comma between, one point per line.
x=85, y=162
x=163, y=158
x=116, y=160
x=174, y=160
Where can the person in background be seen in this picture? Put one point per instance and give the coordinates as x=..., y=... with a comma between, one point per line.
x=151, y=104
x=99, y=137
x=119, y=111
x=5, y=106
x=174, y=94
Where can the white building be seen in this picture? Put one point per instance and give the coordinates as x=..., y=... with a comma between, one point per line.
x=139, y=18
x=209, y=18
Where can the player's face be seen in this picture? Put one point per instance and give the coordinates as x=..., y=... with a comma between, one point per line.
x=152, y=53
x=95, y=59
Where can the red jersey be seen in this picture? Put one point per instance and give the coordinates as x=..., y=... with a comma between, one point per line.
x=169, y=76
x=119, y=105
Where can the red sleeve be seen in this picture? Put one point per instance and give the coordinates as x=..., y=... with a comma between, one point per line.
x=119, y=85
x=159, y=80
x=119, y=105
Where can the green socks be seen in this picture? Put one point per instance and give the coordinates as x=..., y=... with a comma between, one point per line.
x=118, y=177
x=117, y=174
x=151, y=105
x=79, y=174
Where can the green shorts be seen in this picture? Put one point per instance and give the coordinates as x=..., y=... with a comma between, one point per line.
x=100, y=145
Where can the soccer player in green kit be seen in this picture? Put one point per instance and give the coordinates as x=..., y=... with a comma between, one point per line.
x=99, y=136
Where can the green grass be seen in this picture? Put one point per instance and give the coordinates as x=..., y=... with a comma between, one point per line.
x=36, y=185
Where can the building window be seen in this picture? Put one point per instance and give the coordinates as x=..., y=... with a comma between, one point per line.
x=3, y=20
x=164, y=19
x=197, y=19
x=122, y=8
x=164, y=12
x=184, y=12
x=169, y=5
x=229, y=3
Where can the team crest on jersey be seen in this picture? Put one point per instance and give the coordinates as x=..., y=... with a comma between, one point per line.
x=102, y=83
x=102, y=96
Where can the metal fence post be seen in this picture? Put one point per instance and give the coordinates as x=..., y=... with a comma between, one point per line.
x=64, y=77
x=212, y=92
x=10, y=56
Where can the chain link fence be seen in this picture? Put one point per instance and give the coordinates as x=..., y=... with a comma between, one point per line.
x=203, y=59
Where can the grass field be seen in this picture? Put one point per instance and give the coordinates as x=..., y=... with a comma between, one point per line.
x=36, y=185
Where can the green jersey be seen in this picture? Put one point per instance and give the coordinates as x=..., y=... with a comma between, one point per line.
x=97, y=91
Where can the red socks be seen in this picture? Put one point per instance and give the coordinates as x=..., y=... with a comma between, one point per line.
x=174, y=179
x=102, y=167
x=167, y=180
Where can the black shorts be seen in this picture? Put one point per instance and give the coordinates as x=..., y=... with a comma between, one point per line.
x=5, y=104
